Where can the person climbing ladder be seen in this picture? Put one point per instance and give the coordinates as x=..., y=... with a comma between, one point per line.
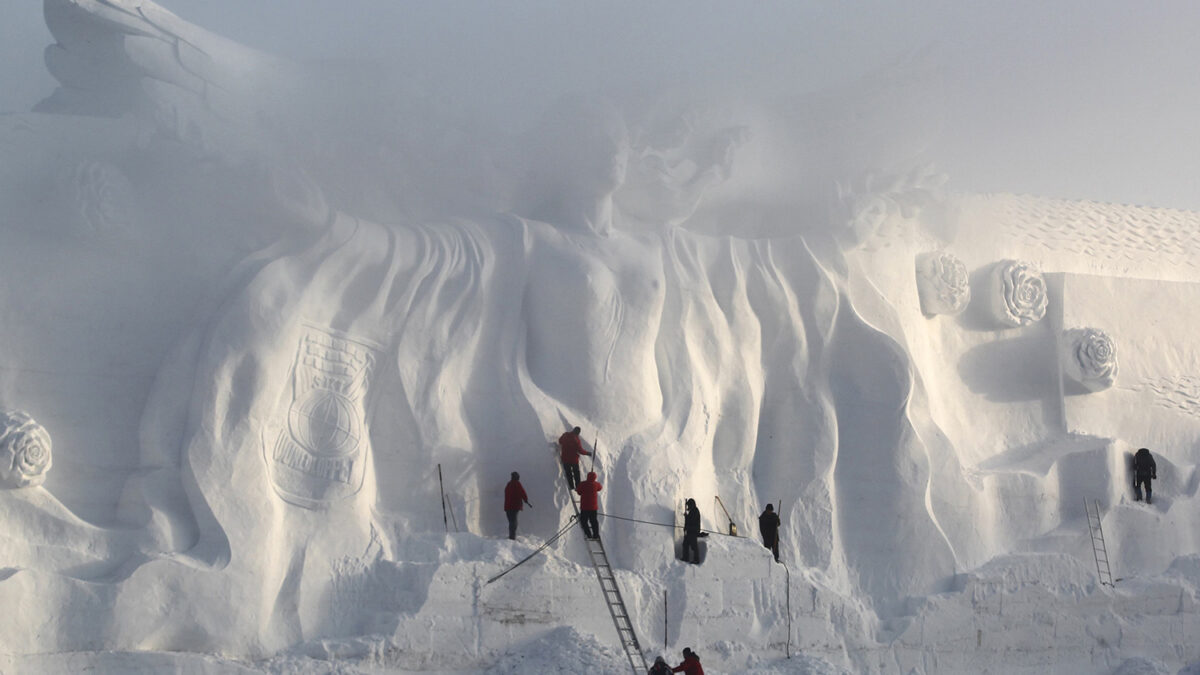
x=589, y=504
x=570, y=447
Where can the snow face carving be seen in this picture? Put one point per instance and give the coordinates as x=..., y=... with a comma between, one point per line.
x=1089, y=357
x=24, y=450
x=942, y=283
x=318, y=455
x=1017, y=294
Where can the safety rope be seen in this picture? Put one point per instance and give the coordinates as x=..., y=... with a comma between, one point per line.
x=551, y=540
x=571, y=521
x=650, y=522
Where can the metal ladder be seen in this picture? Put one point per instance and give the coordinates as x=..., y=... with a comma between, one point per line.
x=1099, y=550
x=612, y=598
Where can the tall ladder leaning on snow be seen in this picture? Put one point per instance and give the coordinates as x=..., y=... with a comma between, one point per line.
x=612, y=597
x=1099, y=550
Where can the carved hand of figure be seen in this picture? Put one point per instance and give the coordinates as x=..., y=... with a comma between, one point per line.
x=295, y=194
x=722, y=150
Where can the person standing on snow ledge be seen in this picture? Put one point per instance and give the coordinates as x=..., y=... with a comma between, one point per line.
x=514, y=494
x=571, y=447
x=589, y=504
x=691, y=532
x=768, y=526
x=1144, y=470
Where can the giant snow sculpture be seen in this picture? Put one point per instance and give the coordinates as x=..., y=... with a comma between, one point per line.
x=254, y=457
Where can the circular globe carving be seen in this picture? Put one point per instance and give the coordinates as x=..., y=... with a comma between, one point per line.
x=324, y=423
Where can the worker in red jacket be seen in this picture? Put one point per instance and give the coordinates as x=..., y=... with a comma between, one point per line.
x=691, y=663
x=571, y=447
x=589, y=504
x=514, y=495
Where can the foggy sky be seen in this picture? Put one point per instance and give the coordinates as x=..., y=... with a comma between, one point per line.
x=1076, y=99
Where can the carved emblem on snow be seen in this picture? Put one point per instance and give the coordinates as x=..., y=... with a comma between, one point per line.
x=24, y=450
x=99, y=199
x=942, y=283
x=1017, y=296
x=1089, y=357
x=319, y=454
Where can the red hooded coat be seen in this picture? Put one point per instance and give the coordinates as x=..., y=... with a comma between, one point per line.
x=587, y=493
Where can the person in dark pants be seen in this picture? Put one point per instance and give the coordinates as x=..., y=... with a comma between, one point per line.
x=768, y=526
x=691, y=532
x=514, y=495
x=589, y=504
x=1144, y=470
x=571, y=447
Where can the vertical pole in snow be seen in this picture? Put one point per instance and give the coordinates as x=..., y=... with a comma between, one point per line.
x=779, y=512
x=595, y=449
x=442, y=489
x=788, y=589
x=666, y=625
x=788, y=594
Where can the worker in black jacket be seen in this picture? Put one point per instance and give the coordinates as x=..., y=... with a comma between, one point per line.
x=1144, y=470
x=768, y=526
x=691, y=532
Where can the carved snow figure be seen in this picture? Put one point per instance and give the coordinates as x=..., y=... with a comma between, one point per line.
x=24, y=450
x=287, y=440
x=942, y=283
x=1017, y=294
x=1089, y=358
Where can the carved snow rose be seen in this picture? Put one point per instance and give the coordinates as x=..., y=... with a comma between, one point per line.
x=1018, y=293
x=24, y=450
x=942, y=283
x=1090, y=358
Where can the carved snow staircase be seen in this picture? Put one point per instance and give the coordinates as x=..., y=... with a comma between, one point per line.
x=612, y=598
x=1099, y=550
